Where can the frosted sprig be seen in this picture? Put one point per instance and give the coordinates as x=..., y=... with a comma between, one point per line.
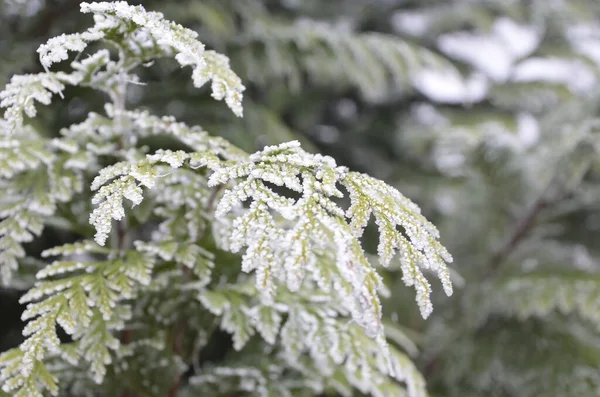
x=147, y=124
x=151, y=30
x=29, y=161
x=317, y=216
x=127, y=178
x=96, y=133
x=211, y=150
x=19, y=96
x=86, y=303
x=22, y=221
x=109, y=198
x=141, y=37
x=20, y=213
x=57, y=48
x=316, y=340
x=392, y=210
x=22, y=154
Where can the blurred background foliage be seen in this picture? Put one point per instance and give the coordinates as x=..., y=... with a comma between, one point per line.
x=483, y=112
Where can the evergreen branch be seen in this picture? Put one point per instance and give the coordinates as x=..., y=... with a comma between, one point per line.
x=313, y=301
x=381, y=66
x=328, y=342
x=569, y=170
x=538, y=294
x=524, y=358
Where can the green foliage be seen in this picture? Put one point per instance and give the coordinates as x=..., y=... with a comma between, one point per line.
x=161, y=274
x=541, y=294
x=484, y=113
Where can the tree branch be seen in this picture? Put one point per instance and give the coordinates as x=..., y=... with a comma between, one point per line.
x=520, y=232
x=180, y=326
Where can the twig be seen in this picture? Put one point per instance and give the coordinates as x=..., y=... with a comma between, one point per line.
x=179, y=331
x=126, y=334
x=119, y=97
x=212, y=199
x=180, y=327
x=520, y=232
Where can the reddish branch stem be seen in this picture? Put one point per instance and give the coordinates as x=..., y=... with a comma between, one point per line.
x=126, y=335
x=520, y=232
x=180, y=328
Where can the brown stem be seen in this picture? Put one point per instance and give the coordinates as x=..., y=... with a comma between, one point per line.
x=178, y=350
x=122, y=235
x=520, y=232
x=180, y=326
x=126, y=334
x=179, y=331
x=213, y=197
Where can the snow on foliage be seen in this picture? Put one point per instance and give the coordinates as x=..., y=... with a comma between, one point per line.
x=280, y=208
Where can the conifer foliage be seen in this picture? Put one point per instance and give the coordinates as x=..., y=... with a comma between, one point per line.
x=141, y=293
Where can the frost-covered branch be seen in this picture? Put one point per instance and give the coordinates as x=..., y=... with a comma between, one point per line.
x=256, y=244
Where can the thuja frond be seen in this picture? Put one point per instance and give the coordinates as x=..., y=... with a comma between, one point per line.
x=521, y=358
x=86, y=301
x=35, y=175
x=391, y=209
x=20, y=95
x=320, y=220
x=379, y=65
x=539, y=294
x=314, y=341
x=194, y=137
x=143, y=36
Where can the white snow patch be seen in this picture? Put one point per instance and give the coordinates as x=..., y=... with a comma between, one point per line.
x=448, y=86
x=484, y=53
x=585, y=39
x=519, y=40
x=578, y=77
x=493, y=54
x=410, y=23
x=528, y=129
